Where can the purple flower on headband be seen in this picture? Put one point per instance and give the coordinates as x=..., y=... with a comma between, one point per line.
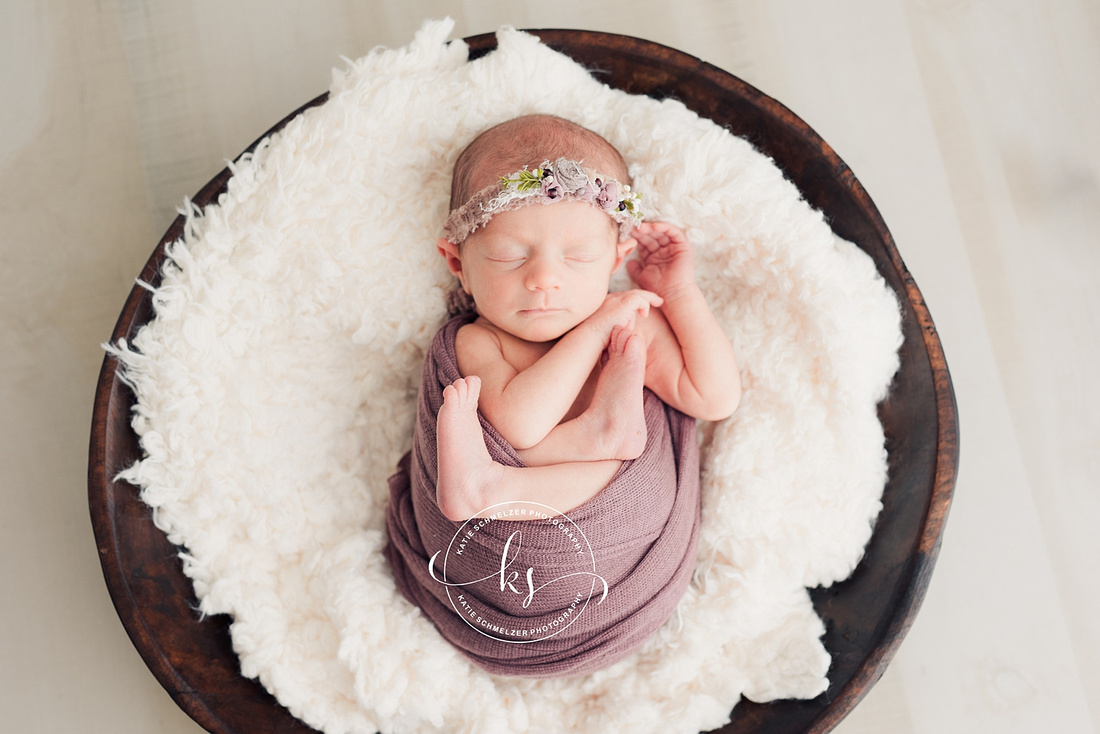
x=609, y=197
x=551, y=189
x=570, y=175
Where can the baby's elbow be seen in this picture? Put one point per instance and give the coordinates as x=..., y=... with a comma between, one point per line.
x=520, y=436
x=726, y=411
x=721, y=406
x=714, y=414
x=733, y=400
x=523, y=444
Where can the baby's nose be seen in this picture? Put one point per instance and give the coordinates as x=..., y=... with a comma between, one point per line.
x=542, y=275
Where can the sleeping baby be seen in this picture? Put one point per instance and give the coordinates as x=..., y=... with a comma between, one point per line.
x=560, y=406
x=539, y=276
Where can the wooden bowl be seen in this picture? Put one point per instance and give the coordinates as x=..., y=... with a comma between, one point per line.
x=866, y=616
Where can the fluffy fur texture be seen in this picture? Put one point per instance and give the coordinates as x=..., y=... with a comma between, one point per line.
x=276, y=390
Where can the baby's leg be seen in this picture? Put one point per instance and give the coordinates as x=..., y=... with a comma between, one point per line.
x=470, y=481
x=613, y=426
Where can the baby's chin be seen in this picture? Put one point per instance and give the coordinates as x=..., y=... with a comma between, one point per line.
x=542, y=327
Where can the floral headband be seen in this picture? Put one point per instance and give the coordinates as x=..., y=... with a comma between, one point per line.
x=563, y=179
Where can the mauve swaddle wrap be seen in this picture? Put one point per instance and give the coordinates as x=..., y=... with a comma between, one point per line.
x=639, y=534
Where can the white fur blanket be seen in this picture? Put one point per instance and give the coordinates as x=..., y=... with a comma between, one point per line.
x=276, y=391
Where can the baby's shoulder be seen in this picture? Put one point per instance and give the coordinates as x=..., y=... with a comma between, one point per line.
x=476, y=334
x=475, y=345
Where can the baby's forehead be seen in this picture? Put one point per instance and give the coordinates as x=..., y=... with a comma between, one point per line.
x=569, y=223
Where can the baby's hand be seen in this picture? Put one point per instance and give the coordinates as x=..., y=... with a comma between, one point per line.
x=621, y=309
x=666, y=263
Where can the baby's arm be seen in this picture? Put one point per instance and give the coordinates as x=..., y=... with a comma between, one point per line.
x=525, y=406
x=612, y=426
x=472, y=484
x=690, y=364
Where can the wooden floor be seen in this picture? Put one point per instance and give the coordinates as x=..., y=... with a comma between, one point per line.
x=974, y=126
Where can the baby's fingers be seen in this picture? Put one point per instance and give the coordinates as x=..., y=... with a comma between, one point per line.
x=639, y=301
x=658, y=239
x=659, y=230
x=633, y=269
x=649, y=298
x=646, y=239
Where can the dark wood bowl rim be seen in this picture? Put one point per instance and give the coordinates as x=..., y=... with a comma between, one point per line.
x=112, y=395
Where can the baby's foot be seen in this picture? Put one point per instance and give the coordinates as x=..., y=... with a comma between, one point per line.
x=466, y=472
x=616, y=416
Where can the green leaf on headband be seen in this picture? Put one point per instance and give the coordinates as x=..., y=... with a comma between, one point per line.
x=524, y=181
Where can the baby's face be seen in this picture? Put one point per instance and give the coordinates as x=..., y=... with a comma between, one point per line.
x=538, y=271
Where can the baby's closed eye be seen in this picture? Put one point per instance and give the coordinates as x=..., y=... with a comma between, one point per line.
x=506, y=256
x=585, y=255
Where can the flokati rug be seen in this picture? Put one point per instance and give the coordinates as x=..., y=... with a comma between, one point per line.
x=276, y=391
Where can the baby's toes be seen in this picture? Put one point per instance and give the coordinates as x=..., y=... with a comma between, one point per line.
x=617, y=341
x=473, y=388
x=632, y=346
x=457, y=394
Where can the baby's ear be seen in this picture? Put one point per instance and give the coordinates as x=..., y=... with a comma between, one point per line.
x=449, y=251
x=622, y=250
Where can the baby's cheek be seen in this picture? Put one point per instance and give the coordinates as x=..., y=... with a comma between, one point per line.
x=592, y=301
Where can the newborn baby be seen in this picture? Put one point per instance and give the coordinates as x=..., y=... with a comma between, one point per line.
x=536, y=249
x=562, y=406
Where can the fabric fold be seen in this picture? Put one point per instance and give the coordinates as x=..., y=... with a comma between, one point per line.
x=526, y=597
